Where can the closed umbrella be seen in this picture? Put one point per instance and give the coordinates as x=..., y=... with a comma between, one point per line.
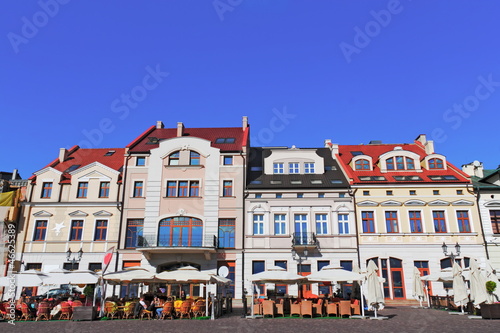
x=459, y=291
x=418, y=287
x=478, y=293
x=445, y=275
x=490, y=273
x=374, y=291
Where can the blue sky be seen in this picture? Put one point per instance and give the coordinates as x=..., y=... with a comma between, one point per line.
x=98, y=73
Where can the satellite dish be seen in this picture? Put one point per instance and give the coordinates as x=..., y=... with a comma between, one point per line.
x=223, y=271
x=476, y=163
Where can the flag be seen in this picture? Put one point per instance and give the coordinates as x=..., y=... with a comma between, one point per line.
x=107, y=259
x=6, y=199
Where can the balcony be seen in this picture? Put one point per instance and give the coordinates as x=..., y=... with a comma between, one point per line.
x=152, y=244
x=304, y=240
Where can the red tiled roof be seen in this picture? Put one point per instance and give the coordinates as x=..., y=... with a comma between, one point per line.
x=141, y=144
x=376, y=150
x=82, y=157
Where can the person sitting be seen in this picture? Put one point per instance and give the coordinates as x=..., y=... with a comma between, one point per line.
x=141, y=305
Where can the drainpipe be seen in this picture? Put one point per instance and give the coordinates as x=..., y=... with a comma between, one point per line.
x=353, y=195
x=478, y=196
x=245, y=195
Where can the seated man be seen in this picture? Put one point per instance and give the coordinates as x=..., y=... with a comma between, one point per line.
x=141, y=305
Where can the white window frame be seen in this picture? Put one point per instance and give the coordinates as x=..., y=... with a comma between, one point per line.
x=309, y=167
x=343, y=224
x=323, y=230
x=278, y=168
x=259, y=222
x=293, y=167
x=280, y=224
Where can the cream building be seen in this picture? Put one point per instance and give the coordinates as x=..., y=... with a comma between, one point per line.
x=409, y=201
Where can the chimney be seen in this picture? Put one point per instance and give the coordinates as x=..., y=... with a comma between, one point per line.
x=14, y=174
x=180, y=129
x=159, y=124
x=63, y=154
x=474, y=169
x=428, y=144
x=328, y=143
x=245, y=122
x=334, y=147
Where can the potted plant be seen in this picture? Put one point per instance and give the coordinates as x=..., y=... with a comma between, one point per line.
x=491, y=310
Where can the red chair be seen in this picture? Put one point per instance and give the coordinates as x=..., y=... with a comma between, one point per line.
x=43, y=311
x=26, y=312
x=66, y=311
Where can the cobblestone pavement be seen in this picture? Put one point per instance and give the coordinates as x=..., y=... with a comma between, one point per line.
x=401, y=319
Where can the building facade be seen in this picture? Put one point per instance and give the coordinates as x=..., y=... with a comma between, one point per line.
x=409, y=201
x=299, y=215
x=183, y=201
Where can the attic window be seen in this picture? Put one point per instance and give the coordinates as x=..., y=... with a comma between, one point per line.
x=72, y=168
x=109, y=153
x=225, y=140
x=153, y=140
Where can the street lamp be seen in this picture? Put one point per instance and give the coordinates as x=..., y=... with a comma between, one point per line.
x=451, y=254
x=74, y=260
x=297, y=256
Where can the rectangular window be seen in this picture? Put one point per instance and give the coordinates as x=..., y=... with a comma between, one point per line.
x=439, y=221
x=388, y=192
x=258, y=195
x=278, y=168
x=346, y=264
x=343, y=223
x=415, y=221
x=366, y=192
x=183, y=189
x=391, y=222
x=258, y=224
x=140, y=161
x=279, y=195
x=82, y=190
x=293, y=167
x=460, y=192
x=463, y=221
x=71, y=266
x=101, y=230
x=227, y=233
x=138, y=188
x=46, y=190
x=259, y=266
x=368, y=222
x=173, y=159
x=40, y=230
x=435, y=192
x=34, y=266
x=309, y=167
x=104, y=190
x=194, y=189
x=300, y=195
x=321, y=195
x=171, y=188
x=413, y=192
x=495, y=221
x=281, y=263
x=133, y=236
x=321, y=224
x=280, y=224
x=228, y=188
x=95, y=266
x=228, y=160
x=76, y=230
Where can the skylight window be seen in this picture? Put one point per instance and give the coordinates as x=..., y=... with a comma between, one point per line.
x=109, y=153
x=296, y=182
x=72, y=168
x=276, y=182
x=153, y=140
x=372, y=178
x=445, y=177
x=256, y=168
x=407, y=178
x=225, y=140
x=336, y=181
x=256, y=182
x=316, y=181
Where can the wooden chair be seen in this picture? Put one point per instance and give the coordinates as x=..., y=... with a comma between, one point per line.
x=146, y=313
x=76, y=303
x=168, y=310
x=257, y=309
x=43, y=311
x=318, y=307
x=26, y=312
x=185, y=310
x=279, y=308
x=110, y=310
x=198, y=308
x=128, y=311
x=332, y=308
x=306, y=309
x=268, y=308
x=355, y=307
x=66, y=311
x=295, y=309
x=345, y=308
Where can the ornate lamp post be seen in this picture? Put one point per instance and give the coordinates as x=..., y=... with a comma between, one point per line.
x=451, y=254
x=74, y=260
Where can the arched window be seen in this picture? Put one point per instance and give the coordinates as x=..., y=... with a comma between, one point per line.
x=173, y=159
x=180, y=231
x=436, y=163
x=362, y=164
x=400, y=163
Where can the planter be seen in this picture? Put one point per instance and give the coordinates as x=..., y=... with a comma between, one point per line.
x=84, y=313
x=490, y=311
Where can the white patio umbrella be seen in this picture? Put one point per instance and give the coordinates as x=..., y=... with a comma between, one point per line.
x=57, y=277
x=491, y=276
x=132, y=274
x=374, y=287
x=418, y=287
x=29, y=278
x=478, y=293
x=459, y=290
x=276, y=274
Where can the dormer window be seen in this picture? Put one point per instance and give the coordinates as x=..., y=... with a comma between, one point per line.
x=278, y=168
x=436, y=163
x=173, y=159
x=293, y=167
x=309, y=167
x=400, y=163
x=362, y=164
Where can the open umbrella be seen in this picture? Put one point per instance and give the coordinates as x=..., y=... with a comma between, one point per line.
x=478, y=293
x=29, y=278
x=459, y=291
x=490, y=274
x=374, y=287
x=132, y=274
x=58, y=277
x=279, y=275
x=418, y=287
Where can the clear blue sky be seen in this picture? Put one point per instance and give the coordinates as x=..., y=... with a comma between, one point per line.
x=351, y=71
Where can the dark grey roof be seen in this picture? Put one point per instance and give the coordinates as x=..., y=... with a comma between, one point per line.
x=332, y=177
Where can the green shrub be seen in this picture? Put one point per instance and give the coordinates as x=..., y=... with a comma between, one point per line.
x=491, y=286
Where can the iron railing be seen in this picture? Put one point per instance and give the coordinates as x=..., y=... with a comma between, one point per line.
x=304, y=239
x=152, y=240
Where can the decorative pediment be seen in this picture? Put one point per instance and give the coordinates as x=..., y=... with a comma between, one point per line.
x=94, y=174
x=391, y=203
x=439, y=203
x=42, y=213
x=492, y=203
x=415, y=203
x=39, y=172
x=367, y=203
x=102, y=213
x=78, y=213
x=462, y=203
x=91, y=165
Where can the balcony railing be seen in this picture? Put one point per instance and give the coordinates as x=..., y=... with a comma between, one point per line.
x=304, y=239
x=201, y=241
